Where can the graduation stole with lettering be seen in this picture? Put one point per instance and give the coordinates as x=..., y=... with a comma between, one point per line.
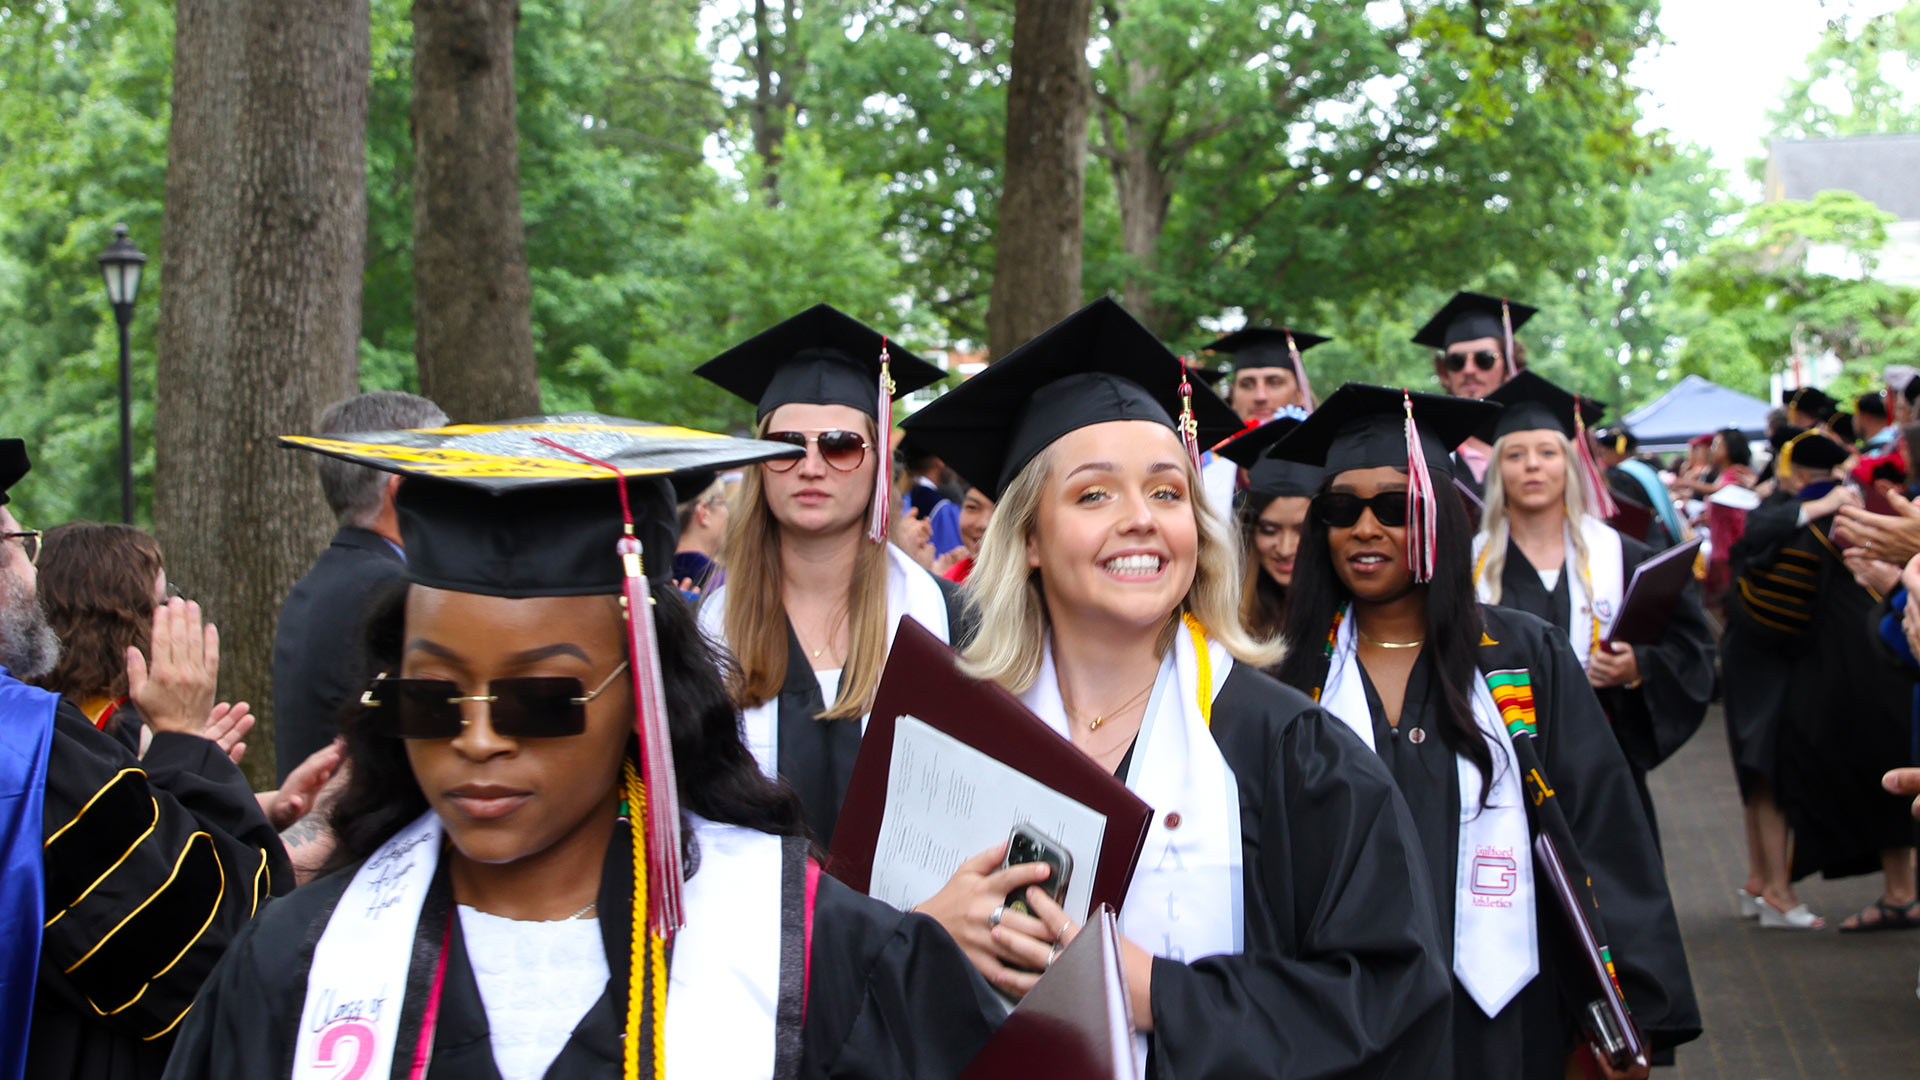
x=1496, y=947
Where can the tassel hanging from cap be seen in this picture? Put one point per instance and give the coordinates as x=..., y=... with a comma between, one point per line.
x=1603, y=505
x=1423, y=514
x=882, y=508
x=1508, y=361
x=1783, y=464
x=1299, y=372
x=658, y=828
x=1189, y=427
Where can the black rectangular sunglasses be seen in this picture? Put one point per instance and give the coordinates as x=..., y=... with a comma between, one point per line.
x=1341, y=509
x=531, y=707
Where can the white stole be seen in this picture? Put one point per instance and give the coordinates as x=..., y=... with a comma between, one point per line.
x=1187, y=899
x=1496, y=951
x=1218, y=479
x=722, y=991
x=1606, y=569
x=911, y=590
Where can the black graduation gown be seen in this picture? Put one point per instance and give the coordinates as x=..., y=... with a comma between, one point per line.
x=1341, y=974
x=815, y=757
x=1656, y=718
x=171, y=854
x=1531, y=1037
x=1755, y=669
x=888, y=994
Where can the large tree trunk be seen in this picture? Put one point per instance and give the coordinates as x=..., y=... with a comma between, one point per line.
x=778, y=59
x=1036, y=262
x=1144, y=191
x=472, y=299
x=264, y=244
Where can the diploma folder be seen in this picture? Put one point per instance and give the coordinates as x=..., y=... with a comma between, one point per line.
x=1076, y=1022
x=1647, y=605
x=923, y=681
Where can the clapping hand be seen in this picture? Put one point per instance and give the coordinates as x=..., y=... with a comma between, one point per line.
x=174, y=691
x=1892, y=538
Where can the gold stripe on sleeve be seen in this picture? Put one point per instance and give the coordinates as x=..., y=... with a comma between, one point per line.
x=96, y=798
x=88, y=891
x=185, y=850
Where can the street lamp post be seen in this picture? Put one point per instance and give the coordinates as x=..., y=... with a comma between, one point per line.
x=121, y=264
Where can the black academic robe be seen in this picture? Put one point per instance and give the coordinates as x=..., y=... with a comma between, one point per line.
x=1531, y=1037
x=1656, y=718
x=887, y=994
x=815, y=757
x=152, y=867
x=1755, y=668
x=1341, y=973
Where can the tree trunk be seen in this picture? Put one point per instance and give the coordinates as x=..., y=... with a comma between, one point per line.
x=472, y=299
x=1036, y=262
x=1144, y=191
x=777, y=55
x=263, y=242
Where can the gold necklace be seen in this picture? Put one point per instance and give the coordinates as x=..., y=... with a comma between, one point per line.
x=815, y=653
x=1390, y=644
x=1094, y=724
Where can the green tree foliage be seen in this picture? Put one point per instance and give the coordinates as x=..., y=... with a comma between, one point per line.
x=1846, y=89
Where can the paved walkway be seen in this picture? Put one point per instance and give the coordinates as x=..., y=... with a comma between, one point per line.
x=1777, y=1004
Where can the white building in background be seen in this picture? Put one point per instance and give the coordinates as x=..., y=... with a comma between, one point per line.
x=1882, y=169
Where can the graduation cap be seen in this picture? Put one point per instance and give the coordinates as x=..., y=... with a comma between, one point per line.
x=1269, y=476
x=1619, y=438
x=1470, y=316
x=1531, y=403
x=1096, y=365
x=823, y=356
x=1367, y=427
x=1270, y=346
x=1809, y=447
x=1810, y=402
x=13, y=465
x=1842, y=427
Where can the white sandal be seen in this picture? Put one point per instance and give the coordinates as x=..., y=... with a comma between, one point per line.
x=1747, y=904
x=1799, y=918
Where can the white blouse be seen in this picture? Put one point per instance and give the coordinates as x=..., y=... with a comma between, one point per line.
x=537, y=980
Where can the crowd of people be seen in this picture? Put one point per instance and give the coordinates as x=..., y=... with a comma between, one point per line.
x=564, y=721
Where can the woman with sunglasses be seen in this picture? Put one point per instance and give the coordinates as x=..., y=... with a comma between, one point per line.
x=523, y=891
x=1544, y=548
x=1269, y=928
x=1386, y=632
x=814, y=591
x=1271, y=515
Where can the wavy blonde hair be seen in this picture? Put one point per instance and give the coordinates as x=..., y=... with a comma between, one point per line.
x=1495, y=521
x=1006, y=592
x=756, y=615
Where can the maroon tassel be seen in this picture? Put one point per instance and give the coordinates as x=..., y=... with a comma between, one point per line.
x=1423, y=515
x=1603, y=505
x=1299, y=373
x=1189, y=426
x=660, y=832
x=882, y=508
x=1508, y=362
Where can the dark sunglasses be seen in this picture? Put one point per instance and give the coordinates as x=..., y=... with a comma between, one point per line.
x=535, y=707
x=1484, y=360
x=843, y=451
x=1341, y=510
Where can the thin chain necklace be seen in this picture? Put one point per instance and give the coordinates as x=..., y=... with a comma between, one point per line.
x=815, y=653
x=1094, y=724
x=1389, y=644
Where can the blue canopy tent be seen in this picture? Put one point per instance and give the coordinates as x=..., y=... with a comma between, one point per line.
x=1695, y=406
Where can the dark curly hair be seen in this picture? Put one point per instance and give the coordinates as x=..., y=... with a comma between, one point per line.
x=719, y=778
x=97, y=585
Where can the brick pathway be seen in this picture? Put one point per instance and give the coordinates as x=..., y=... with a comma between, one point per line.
x=1776, y=1004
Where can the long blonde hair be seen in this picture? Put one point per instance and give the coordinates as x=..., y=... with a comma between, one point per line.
x=1495, y=520
x=756, y=615
x=1006, y=592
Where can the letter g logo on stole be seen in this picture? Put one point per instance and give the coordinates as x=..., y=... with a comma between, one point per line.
x=1494, y=874
x=363, y=1038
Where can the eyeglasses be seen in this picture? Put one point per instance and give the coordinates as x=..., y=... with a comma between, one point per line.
x=843, y=451
x=29, y=542
x=535, y=707
x=1341, y=510
x=1485, y=360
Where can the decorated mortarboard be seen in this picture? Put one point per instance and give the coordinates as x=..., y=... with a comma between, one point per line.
x=1369, y=427
x=1471, y=316
x=13, y=466
x=1270, y=346
x=1810, y=402
x=1531, y=403
x=823, y=356
x=1267, y=475
x=1809, y=447
x=1097, y=365
x=1619, y=438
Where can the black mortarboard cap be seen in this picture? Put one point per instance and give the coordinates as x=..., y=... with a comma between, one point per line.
x=819, y=357
x=1842, y=425
x=1469, y=316
x=13, y=466
x=1364, y=427
x=1810, y=447
x=1619, y=438
x=1809, y=401
x=490, y=509
x=1096, y=365
x=1531, y=403
x=1264, y=346
x=1268, y=475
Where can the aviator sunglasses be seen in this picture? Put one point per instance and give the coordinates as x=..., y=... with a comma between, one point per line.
x=1484, y=360
x=531, y=707
x=1341, y=509
x=843, y=451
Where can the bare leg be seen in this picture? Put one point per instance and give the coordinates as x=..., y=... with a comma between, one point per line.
x=1756, y=864
x=1777, y=872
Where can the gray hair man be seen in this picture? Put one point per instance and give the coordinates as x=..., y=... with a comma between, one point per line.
x=319, y=666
